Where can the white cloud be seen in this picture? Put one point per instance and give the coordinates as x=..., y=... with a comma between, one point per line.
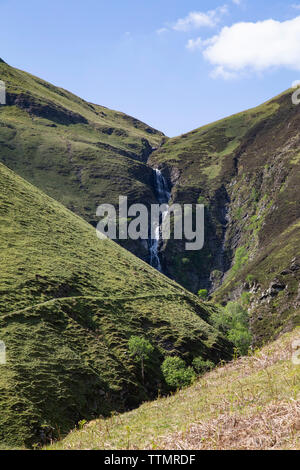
x=252, y=46
x=162, y=30
x=198, y=19
x=236, y=2
x=223, y=73
x=195, y=44
x=296, y=6
x=295, y=84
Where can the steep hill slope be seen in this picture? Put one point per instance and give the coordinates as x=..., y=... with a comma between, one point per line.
x=246, y=171
x=244, y=168
x=79, y=153
x=252, y=403
x=68, y=305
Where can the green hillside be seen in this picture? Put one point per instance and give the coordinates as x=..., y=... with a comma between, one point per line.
x=252, y=403
x=79, y=153
x=245, y=169
x=68, y=305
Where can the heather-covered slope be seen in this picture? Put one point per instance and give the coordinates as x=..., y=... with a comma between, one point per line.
x=68, y=305
x=246, y=171
x=79, y=153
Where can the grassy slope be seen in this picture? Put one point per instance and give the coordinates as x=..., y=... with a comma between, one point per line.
x=79, y=153
x=68, y=305
x=246, y=170
x=250, y=403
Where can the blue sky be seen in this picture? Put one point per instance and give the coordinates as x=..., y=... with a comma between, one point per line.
x=175, y=64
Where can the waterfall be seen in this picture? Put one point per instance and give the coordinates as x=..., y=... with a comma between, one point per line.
x=163, y=196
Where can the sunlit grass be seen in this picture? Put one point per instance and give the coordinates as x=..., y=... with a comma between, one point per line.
x=245, y=388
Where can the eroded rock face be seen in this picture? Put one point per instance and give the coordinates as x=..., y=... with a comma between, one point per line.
x=43, y=109
x=274, y=288
x=274, y=307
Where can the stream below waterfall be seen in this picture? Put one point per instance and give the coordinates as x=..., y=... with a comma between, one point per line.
x=163, y=195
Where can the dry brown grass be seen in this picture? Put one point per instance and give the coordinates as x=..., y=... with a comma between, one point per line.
x=276, y=427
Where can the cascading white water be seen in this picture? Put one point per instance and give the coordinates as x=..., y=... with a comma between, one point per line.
x=163, y=196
